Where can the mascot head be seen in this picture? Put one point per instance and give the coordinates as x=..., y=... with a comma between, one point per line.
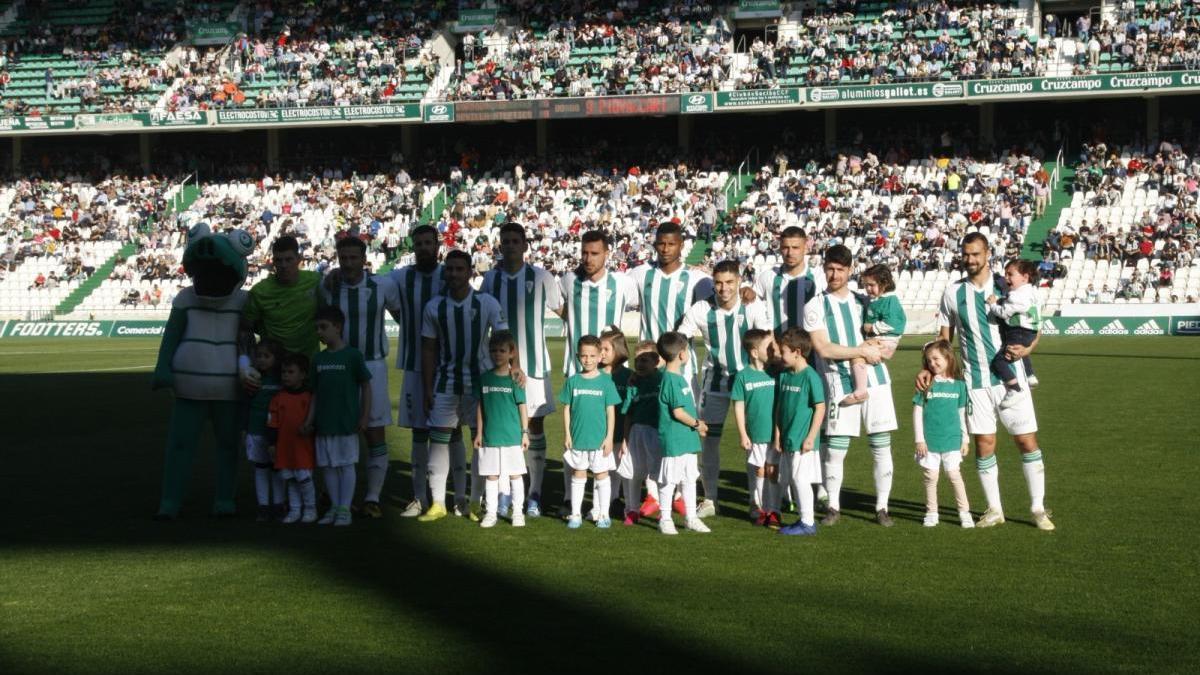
x=216, y=262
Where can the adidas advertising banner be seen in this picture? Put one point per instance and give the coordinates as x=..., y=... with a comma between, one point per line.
x=1113, y=325
x=127, y=329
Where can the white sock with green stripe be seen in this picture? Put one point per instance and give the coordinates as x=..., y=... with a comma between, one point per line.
x=835, y=459
x=535, y=460
x=989, y=477
x=710, y=474
x=377, y=466
x=1035, y=476
x=420, y=467
x=881, y=450
x=439, y=464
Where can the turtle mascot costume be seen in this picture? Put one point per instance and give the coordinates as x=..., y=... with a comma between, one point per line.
x=198, y=361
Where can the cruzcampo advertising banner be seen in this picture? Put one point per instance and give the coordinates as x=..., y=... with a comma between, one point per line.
x=754, y=98
x=213, y=33
x=475, y=19
x=382, y=111
x=1124, y=82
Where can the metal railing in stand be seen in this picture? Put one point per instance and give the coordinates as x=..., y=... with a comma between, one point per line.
x=1055, y=175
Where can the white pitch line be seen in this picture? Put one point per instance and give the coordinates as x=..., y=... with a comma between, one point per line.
x=77, y=370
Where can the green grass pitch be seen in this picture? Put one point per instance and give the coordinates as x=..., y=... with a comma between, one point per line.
x=88, y=582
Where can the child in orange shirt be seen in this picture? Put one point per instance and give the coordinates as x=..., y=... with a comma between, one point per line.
x=294, y=452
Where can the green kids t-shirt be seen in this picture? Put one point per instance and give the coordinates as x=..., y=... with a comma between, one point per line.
x=756, y=390
x=500, y=397
x=620, y=376
x=589, y=398
x=256, y=424
x=939, y=412
x=641, y=399
x=886, y=309
x=335, y=378
x=677, y=439
x=795, y=396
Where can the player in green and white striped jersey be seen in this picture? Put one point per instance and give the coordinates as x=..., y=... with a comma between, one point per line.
x=722, y=321
x=418, y=284
x=667, y=288
x=525, y=292
x=364, y=300
x=964, y=310
x=454, y=350
x=787, y=288
x=593, y=298
x=834, y=320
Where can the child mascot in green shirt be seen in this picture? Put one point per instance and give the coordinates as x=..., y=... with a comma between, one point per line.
x=197, y=361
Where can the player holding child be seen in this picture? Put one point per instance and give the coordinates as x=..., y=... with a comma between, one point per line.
x=799, y=411
x=940, y=429
x=589, y=398
x=883, y=326
x=502, y=422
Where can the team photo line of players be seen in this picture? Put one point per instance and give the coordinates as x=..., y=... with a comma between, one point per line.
x=798, y=356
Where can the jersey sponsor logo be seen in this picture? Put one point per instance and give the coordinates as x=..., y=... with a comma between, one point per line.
x=1079, y=328
x=1151, y=327
x=793, y=388
x=751, y=386
x=1048, y=328
x=588, y=392
x=1114, y=327
x=940, y=394
x=322, y=367
x=497, y=390
x=529, y=287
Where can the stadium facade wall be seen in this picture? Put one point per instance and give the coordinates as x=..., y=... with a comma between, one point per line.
x=911, y=93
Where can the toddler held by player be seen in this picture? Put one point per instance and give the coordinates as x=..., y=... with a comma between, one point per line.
x=292, y=445
x=503, y=431
x=940, y=430
x=1022, y=317
x=883, y=325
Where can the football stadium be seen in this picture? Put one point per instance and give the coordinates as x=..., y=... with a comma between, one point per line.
x=510, y=335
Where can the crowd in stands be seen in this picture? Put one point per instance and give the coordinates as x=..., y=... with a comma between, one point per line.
x=1149, y=36
x=601, y=57
x=1144, y=215
x=889, y=206
x=952, y=40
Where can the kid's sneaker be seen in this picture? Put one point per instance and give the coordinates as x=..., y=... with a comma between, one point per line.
x=372, y=510
x=631, y=518
x=343, y=517
x=707, y=509
x=534, y=509
x=964, y=517
x=1042, y=520
x=604, y=523
x=760, y=519
x=310, y=515
x=1033, y=381
x=990, y=518
x=292, y=516
x=931, y=520
x=697, y=525
x=667, y=526
x=504, y=506
x=412, y=510
x=1011, y=398
x=649, y=507
x=489, y=520
x=518, y=519
x=574, y=523
x=773, y=521
x=330, y=516
x=799, y=529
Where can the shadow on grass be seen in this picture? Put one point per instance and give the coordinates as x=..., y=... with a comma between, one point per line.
x=95, y=484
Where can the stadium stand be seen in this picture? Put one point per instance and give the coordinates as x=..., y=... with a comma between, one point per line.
x=592, y=50
x=1130, y=233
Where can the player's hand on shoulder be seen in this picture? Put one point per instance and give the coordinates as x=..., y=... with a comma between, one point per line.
x=748, y=295
x=923, y=380
x=518, y=376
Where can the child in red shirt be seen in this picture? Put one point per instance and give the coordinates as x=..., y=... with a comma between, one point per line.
x=294, y=451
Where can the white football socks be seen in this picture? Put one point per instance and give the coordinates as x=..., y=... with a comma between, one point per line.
x=517, y=490
x=377, y=467
x=883, y=477
x=262, y=484
x=347, y=475
x=578, y=485
x=834, y=461
x=1035, y=477
x=989, y=477
x=420, y=468
x=603, y=496
x=439, y=470
x=491, y=490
